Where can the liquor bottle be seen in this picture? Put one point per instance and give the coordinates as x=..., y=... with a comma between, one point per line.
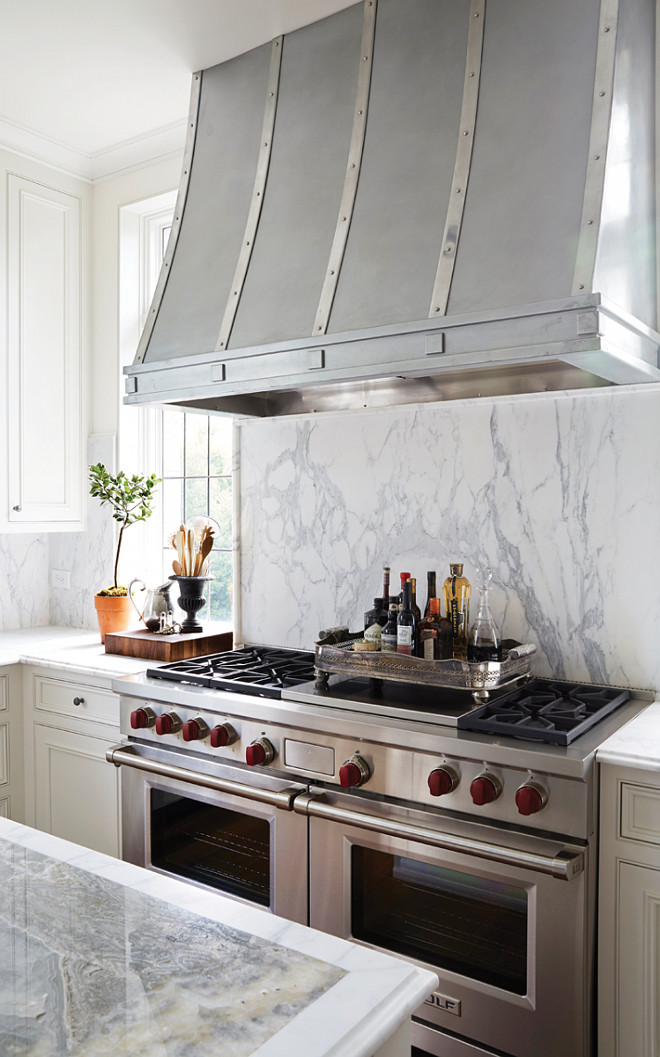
x=434, y=637
x=404, y=577
x=386, y=585
x=431, y=592
x=388, y=635
x=483, y=640
x=415, y=608
x=406, y=624
x=377, y=615
x=456, y=591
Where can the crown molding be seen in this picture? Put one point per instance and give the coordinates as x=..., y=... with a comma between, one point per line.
x=97, y=166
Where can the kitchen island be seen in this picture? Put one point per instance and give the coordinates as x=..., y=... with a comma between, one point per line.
x=102, y=957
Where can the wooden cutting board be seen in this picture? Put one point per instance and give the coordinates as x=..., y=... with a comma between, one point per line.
x=151, y=647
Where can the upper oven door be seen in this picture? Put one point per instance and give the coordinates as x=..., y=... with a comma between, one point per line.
x=219, y=826
x=508, y=940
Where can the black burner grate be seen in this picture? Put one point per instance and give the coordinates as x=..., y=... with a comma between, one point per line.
x=546, y=711
x=261, y=670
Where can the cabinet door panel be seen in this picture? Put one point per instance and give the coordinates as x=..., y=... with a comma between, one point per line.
x=76, y=789
x=639, y=962
x=44, y=361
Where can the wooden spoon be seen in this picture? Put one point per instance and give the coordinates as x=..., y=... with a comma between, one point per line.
x=179, y=539
x=207, y=543
x=177, y=568
x=190, y=548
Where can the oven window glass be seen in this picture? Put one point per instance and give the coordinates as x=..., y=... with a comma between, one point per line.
x=209, y=844
x=455, y=921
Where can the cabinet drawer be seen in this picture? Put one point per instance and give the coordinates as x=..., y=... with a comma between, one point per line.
x=640, y=813
x=55, y=695
x=4, y=695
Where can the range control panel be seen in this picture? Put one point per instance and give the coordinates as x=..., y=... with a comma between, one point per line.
x=443, y=780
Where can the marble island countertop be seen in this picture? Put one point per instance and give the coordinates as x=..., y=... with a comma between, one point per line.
x=101, y=957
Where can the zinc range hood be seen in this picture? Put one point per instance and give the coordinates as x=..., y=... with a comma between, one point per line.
x=414, y=200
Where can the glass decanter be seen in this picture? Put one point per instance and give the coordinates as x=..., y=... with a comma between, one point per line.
x=483, y=639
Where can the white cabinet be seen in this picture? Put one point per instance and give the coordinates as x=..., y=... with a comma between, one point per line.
x=639, y=960
x=629, y=913
x=12, y=783
x=76, y=790
x=71, y=790
x=43, y=465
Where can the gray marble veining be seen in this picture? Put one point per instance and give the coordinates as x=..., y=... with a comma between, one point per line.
x=87, y=555
x=23, y=581
x=91, y=968
x=559, y=494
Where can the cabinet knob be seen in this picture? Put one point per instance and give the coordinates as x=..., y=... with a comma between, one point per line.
x=79, y=701
x=17, y=508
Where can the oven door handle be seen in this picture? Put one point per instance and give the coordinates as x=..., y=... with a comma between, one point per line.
x=566, y=864
x=126, y=756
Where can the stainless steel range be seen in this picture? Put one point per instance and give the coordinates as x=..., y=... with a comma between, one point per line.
x=460, y=835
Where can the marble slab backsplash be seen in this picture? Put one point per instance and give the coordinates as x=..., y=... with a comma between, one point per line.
x=87, y=555
x=23, y=581
x=559, y=494
x=26, y=563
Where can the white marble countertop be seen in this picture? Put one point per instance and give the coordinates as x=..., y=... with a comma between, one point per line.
x=104, y=958
x=637, y=744
x=66, y=649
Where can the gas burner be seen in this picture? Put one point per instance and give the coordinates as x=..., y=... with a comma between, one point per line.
x=546, y=711
x=259, y=670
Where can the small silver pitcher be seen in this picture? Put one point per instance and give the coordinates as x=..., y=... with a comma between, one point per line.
x=157, y=601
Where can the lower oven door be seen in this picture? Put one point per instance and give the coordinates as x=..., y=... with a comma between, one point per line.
x=501, y=916
x=216, y=825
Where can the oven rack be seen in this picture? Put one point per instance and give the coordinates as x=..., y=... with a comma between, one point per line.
x=334, y=655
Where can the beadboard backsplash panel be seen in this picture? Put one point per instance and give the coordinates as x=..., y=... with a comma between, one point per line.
x=559, y=494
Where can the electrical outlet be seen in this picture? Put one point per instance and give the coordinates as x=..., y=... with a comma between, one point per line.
x=61, y=578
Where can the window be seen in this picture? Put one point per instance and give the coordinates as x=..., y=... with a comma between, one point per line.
x=191, y=452
x=196, y=471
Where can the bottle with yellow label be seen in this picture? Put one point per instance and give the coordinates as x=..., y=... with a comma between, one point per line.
x=456, y=592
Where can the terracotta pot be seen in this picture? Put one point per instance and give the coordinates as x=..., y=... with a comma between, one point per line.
x=114, y=613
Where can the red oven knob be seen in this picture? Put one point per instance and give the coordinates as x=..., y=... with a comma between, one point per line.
x=168, y=723
x=354, y=772
x=222, y=735
x=194, y=729
x=530, y=798
x=142, y=717
x=485, y=788
x=442, y=780
x=259, y=753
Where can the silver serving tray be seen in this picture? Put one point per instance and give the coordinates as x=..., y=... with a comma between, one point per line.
x=334, y=655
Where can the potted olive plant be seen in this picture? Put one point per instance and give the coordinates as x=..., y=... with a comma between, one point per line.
x=130, y=499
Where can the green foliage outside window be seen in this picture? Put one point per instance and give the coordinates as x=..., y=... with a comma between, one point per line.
x=197, y=465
